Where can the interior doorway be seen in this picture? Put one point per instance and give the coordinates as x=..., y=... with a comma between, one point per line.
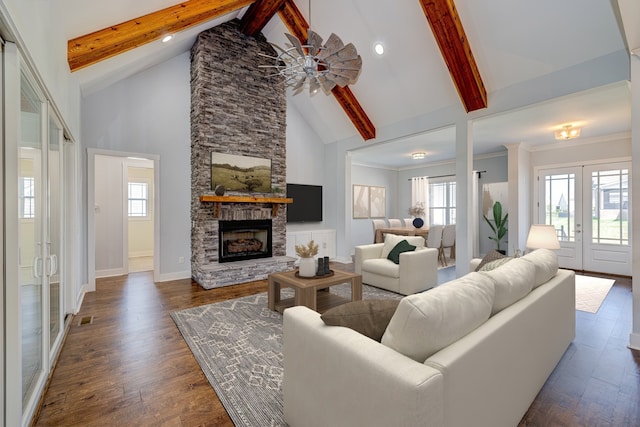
x=122, y=214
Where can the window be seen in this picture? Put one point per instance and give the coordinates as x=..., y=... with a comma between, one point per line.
x=27, y=197
x=138, y=199
x=442, y=202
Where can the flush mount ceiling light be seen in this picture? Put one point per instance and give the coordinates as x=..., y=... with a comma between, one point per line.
x=568, y=132
x=315, y=65
x=418, y=155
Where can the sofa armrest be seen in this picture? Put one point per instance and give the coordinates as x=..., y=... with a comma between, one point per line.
x=334, y=376
x=418, y=270
x=364, y=252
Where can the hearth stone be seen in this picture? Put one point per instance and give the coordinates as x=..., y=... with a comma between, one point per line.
x=217, y=275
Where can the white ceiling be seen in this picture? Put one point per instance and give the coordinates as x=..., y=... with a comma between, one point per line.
x=513, y=43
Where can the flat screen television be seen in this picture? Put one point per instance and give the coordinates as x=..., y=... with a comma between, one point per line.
x=307, y=203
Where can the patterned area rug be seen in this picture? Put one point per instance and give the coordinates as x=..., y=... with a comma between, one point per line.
x=238, y=344
x=591, y=292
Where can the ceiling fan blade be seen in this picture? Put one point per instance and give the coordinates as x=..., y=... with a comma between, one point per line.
x=314, y=41
x=326, y=84
x=295, y=43
x=333, y=45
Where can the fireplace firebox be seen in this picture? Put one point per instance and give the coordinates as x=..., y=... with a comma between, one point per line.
x=243, y=240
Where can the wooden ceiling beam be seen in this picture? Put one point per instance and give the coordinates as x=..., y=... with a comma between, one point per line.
x=456, y=51
x=102, y=44
x=298, y=26
x=258, y=14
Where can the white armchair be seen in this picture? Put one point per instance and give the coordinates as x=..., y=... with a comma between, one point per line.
x=417, y=270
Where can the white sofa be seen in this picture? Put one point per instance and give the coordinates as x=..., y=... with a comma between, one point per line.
x=487, y=377
x=416, y=272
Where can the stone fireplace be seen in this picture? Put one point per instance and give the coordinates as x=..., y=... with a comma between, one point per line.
x=235, y=109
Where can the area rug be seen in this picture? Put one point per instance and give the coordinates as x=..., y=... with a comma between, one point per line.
x=591, y=292
x=238, y=345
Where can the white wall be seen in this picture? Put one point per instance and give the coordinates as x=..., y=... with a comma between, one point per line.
x=149, y=113
x=305, y=163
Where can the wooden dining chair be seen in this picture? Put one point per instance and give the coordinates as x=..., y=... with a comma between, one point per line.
x=408, y=222
x=448, y=241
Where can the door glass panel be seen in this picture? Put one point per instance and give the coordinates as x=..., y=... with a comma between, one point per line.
x=54, y=243
x=560, y=204
x=610, y=207
x=30, y=237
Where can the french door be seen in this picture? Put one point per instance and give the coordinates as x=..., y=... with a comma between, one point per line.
x=33, y=221
x=589, y=207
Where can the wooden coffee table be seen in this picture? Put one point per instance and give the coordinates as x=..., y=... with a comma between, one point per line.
x=306, y=290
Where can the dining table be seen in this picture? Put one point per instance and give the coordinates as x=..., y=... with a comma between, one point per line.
x=400, y=231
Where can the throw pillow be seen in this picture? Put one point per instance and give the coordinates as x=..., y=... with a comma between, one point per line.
x=390, y=242
x=368, y=317
x=401, y=247
x=492, y=265
x=492, y=255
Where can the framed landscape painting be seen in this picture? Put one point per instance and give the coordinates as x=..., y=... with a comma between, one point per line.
x=240, y=173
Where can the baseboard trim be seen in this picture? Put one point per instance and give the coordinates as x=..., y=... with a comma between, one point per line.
x=110, y=273
x=634, y=341
x=178, y=275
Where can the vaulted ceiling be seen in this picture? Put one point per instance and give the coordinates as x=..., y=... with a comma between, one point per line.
x=438, y=57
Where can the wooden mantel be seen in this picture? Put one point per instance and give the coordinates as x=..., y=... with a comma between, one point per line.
x=274, y=201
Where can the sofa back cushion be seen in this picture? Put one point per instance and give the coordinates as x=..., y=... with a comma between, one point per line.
x=427, y=322
x=513, y=281
x=546, y=264
x=391, y=240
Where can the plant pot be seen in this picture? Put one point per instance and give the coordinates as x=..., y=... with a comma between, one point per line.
x=307, y=267
x=418, y=222
x=501, y=251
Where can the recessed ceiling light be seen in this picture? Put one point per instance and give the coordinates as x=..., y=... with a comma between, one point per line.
x=378, y=48
x=167, y=38
x=418, y=155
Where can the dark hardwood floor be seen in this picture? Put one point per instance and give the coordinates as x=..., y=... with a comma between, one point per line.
x=124, y=362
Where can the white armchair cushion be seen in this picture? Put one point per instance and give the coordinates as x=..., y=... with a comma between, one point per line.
x=382, y=266
x=427, y=322
x=513, y=281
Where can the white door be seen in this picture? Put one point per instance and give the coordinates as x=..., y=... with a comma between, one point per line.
x=607, y=227
x=560, y=204
x=589, y=207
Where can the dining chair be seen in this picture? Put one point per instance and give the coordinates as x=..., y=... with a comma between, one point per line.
x=434, y=240
x=377, y=223
x=408, y=222
x=395, y=223
x=448, y=241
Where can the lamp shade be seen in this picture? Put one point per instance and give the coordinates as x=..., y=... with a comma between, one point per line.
x=542, y=236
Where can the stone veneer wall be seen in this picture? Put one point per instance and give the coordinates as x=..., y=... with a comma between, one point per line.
x=235, y=109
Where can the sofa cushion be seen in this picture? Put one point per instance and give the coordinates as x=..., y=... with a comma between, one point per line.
x=427, y=322
x=381, y=266
x=513, y=281
x=401, y=247
x=490, y=257
x=546, y=264
x=391, y=240
x=369, y=317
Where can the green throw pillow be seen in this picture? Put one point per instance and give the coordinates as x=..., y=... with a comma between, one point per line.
x=368, y=317
x=403, y=246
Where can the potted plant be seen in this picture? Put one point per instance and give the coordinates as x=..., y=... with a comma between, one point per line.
x=498, y=225
x=307, y=266
x=417, y=211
